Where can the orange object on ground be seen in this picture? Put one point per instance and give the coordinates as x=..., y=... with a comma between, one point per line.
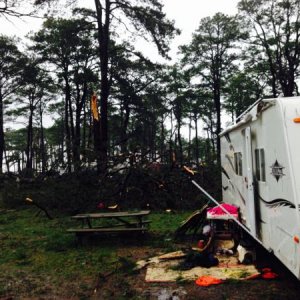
x=207, y=281
x=269, y=275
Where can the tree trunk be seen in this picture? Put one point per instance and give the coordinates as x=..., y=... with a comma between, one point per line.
x=125, y=126
x=162, y=139
x=19, y=165
x=6, y=160
x=84, y=139
x=29, y=154
x=287, y=82
x=217, y=102
x=180, y=143
x=190, y=139
x=90, y=132
x=1, y=133
x=196, y=142
x=77, y=137
x=67, y=125
x=43, y=152
x=103, y=40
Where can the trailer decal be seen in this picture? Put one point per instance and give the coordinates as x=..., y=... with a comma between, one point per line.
x=225, y=173
x=232, y=185
x=278, y=202
x=277, y=170
x=230, y=162
x=243, y=199
x=227, y=137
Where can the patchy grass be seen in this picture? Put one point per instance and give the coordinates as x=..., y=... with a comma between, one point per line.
x=38, y=257
x=39, y=260
x=167, y=223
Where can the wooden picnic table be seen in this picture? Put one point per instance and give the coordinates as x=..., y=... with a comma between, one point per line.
x=126, y=222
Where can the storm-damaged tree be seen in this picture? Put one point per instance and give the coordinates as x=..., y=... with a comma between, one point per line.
x=11, y=66
x=146, y=19
x=275, y=28
x=142, y=18
x=210, y=57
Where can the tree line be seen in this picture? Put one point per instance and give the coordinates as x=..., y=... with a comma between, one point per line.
x=142, y=106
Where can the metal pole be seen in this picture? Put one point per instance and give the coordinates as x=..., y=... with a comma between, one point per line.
x=225, y=210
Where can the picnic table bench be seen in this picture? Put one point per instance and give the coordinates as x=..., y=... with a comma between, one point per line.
x=126, y=222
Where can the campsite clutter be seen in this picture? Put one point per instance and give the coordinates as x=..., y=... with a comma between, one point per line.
x=216, y=247
x=215, y=258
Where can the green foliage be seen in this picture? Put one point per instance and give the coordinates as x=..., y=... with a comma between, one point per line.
x=210, y=59
x=11, y=66
x=275, y=28
x=243, y=91
x=149, y=19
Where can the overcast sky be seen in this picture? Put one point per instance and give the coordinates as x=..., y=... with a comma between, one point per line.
x=186, y=13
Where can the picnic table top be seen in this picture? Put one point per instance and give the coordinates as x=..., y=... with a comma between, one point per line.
x=107, y=230
x=112, y=214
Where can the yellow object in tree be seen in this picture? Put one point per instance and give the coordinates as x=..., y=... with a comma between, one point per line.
x=94, y=107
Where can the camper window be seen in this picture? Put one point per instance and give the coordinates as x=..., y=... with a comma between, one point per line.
x=238, y=163
x=260, y=164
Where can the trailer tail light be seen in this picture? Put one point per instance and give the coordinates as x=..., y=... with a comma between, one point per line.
x=297, y=120
x=296, y=239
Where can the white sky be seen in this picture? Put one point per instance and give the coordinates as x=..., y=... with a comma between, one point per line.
x=186, y=13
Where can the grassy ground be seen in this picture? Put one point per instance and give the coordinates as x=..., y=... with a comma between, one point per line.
x=38, y=258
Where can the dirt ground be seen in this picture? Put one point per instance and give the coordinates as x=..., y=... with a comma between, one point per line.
x=133, y=286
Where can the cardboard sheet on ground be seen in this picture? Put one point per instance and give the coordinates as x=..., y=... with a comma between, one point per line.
x=155, y=260
x=228, y=268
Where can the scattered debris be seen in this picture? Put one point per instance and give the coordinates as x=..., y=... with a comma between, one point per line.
x=228, y=268
x=193, y=223
x=208, y=280
x=164, y=293
x=267, y=273
x=201, y=259
x=245, y=255
x=143, y=263
x=173, y=255
x=31, y=202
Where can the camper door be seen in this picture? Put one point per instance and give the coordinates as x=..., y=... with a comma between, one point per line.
x=248, y=181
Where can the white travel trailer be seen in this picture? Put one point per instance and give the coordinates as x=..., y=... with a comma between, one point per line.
x=260, y=157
